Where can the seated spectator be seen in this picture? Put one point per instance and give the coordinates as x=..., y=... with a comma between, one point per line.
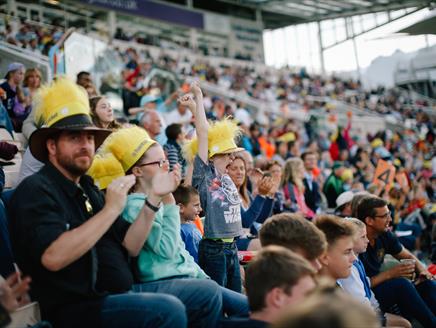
x=254, y=210
x=188, y=200
x=294, y=232
x=312, y=192
x=338, y=260
x=152, y=123
x=181, y=115
x=84, y=79
x=333, y=186
x=76, y=247
x=414, y=300
x=173, y=150
x=293, y=187
x=328, y=307
x=102, y=113
x=272, y=287
x=15, y=101
x=358, y=284
x=275, y=169
x=163, y=264
x=31, y=83
x=343, y=204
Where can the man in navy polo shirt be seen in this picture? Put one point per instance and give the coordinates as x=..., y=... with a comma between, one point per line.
x=393, y=286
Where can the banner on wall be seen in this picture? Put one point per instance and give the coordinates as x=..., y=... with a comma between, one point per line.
x=153, y=10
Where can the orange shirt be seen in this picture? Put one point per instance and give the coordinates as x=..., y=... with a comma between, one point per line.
x=199, y=224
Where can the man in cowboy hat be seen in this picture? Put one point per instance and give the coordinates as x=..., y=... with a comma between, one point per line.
x=69, y=237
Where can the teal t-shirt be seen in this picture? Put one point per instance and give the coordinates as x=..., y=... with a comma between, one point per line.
x=163, y=254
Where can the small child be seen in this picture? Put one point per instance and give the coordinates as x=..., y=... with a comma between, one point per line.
x=188, y=200
x=212, y=152
x=358, y=284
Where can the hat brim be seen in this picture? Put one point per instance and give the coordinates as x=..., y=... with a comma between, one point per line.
x=38, y=139
x=232, y=150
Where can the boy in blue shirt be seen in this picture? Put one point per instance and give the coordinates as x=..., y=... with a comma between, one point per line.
x=188, y=200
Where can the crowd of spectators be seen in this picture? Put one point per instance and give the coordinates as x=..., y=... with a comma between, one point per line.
x=33, y=37
x=181, y=192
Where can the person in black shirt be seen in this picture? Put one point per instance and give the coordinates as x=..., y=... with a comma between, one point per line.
x=394, y=286
x=69, y=238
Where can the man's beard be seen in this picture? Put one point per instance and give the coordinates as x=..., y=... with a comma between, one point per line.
x=69, y=165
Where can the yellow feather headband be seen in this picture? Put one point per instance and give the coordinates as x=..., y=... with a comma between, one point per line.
x=221, y=139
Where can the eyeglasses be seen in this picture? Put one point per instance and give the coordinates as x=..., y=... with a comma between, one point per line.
x=160, y=163
x=383, y=216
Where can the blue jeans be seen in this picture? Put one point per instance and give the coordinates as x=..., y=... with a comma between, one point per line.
x=143, y=310
x=201, y=297
x=417, y=302
x=220, y=262
x=6, y=256
x=234, y=304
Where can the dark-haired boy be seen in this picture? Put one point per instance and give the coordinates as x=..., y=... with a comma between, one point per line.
x=272, y=287
x=338, y=260
x=294, y=232
x=188, y=200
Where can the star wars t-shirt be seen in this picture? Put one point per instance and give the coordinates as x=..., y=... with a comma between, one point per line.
x=220, y=200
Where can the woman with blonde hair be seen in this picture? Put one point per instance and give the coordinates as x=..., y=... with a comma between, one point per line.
x=293, y=187
x=31, y=83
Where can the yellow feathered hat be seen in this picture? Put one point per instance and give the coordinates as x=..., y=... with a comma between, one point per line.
x=59, y=106
x=287, y=137
x=120, y=151
x=105, y=168
x=221, y=140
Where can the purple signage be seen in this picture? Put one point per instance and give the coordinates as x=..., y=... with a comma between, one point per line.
x=152, y=10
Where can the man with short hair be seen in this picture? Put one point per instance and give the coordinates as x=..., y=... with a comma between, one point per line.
x=84, y=79
x=338, y=260
x=393, y=286
x=273, y=287
x=69, y=237
x=294, y=232
x=152, y=123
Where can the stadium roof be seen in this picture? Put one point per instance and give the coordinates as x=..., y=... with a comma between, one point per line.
x=276, y=13
x=424, y=26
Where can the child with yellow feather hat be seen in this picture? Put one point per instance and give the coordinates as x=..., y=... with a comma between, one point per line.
x=211, y=152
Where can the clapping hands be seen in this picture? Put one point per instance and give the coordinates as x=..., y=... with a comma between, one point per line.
x=166, y=182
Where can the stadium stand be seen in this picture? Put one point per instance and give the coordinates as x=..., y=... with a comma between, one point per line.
x=304, y=135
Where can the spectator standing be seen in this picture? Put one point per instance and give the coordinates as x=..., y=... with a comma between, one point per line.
x=219, y=197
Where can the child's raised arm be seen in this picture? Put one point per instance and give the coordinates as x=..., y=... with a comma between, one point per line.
x=201, y=124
